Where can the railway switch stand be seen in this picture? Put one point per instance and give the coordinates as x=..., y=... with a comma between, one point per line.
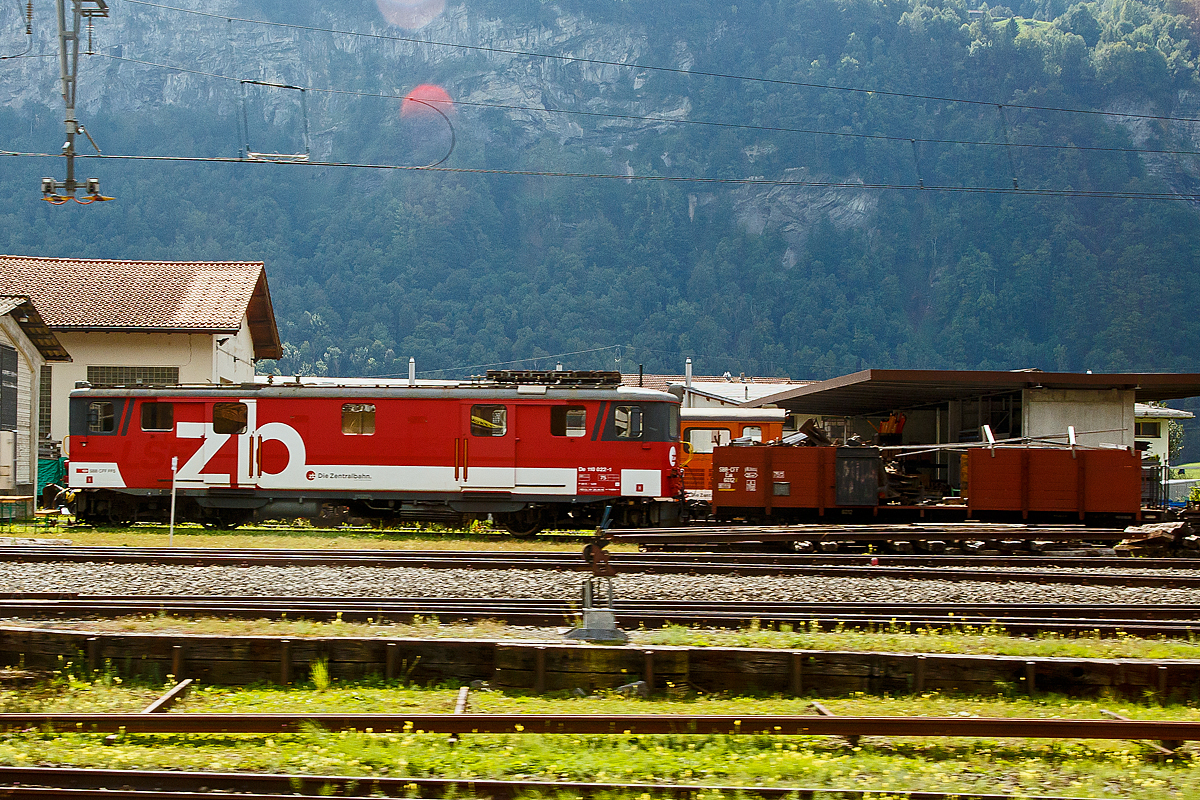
x=599, y=624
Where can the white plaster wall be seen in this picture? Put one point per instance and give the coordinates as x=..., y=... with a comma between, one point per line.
x=233, y=362
x=1159, y=445
x=196, y=354
x=1051, y=411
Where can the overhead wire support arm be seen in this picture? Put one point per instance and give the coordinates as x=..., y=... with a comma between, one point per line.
x=282, y=158
x=1012, y=165
x=69, y=22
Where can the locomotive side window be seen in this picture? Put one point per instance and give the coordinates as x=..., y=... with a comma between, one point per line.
x=101, y=418
x=673, y=422
x=752, y=432
x=158, y=416
x=628, y=422
x=358, y=419
x=568, y=421
x=229, y=417
x=703, y=440
x=489, y=420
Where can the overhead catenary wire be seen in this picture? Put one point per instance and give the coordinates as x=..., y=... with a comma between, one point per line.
x=437, y=166
x=527, y=173
x=656, y=68
x=28, y=34
x=683, y=122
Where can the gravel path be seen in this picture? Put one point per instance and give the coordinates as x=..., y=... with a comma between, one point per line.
x=133, y=579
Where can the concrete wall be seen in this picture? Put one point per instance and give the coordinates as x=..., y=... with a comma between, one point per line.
x=196, y=355
x=1050, y=411
x=29, y=365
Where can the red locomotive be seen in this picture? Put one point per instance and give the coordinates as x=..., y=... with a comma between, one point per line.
x=532, y=449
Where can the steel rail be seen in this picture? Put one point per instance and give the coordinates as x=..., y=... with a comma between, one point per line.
x=962, y=531
x=39, y=553
x=38, y=782
x=626, y=562
x=1130, y=620
x=1180, y=611
x=620, y=724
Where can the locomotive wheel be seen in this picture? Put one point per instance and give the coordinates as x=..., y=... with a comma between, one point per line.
x=524, y=524
x=224, y=522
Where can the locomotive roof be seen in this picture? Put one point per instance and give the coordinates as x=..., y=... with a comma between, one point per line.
x=483, y=390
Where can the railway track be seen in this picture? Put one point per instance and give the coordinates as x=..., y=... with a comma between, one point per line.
x=619, y=724
x=60, y=782
x=1052, y=570
x=1017, y=619
x=947, y=532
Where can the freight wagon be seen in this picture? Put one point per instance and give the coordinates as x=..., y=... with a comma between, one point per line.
x=1004, y=483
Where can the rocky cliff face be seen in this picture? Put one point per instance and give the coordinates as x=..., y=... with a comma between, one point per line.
x=214, y=52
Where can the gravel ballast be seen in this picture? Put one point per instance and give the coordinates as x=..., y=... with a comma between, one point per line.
x=317, y=581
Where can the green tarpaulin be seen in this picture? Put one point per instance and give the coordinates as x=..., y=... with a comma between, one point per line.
x=51, y=470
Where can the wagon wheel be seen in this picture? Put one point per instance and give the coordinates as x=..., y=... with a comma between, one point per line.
x=524, y=524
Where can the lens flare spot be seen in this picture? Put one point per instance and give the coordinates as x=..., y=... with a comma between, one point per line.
x=422, y=100
x=410, y=14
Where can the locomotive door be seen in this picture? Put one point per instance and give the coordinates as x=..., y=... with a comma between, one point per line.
x=224, y=430
x=485, y=450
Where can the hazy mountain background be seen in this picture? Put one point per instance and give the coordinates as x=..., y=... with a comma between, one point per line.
x=810, y=278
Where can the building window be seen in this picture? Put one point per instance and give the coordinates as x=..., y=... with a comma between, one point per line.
x=45, y=382
x=158, y=416
x=568, y=421
x=703, y=440
x=229, y=417
x=8, y=388
x=133, y=376
x=358, y=419
x=1150, y=430
x=489, y=420
x=628, y=422
x=101, y=418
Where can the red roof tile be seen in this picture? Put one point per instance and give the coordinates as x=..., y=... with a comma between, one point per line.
x=202, y=296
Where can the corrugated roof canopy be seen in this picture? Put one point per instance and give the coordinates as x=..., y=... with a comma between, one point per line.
x=160, y=296
x=34, y=327
x=878, y=391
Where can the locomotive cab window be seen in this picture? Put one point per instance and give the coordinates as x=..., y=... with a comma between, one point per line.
x=628, y=422
x=229, y=417
x=703, y=440
x=752, y=432
x=101, y=418
x=568, y=421
x=158, y=416
x=358, y=419
x=489, y=420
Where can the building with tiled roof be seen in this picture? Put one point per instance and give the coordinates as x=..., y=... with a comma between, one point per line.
x=146, y=322
x=26, y=345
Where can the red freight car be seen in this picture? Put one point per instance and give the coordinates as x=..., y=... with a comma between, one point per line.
x=1015, y=483
x=1083, y=482
x=533, y=450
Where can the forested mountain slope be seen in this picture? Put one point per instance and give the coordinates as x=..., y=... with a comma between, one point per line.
x=810, y=276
